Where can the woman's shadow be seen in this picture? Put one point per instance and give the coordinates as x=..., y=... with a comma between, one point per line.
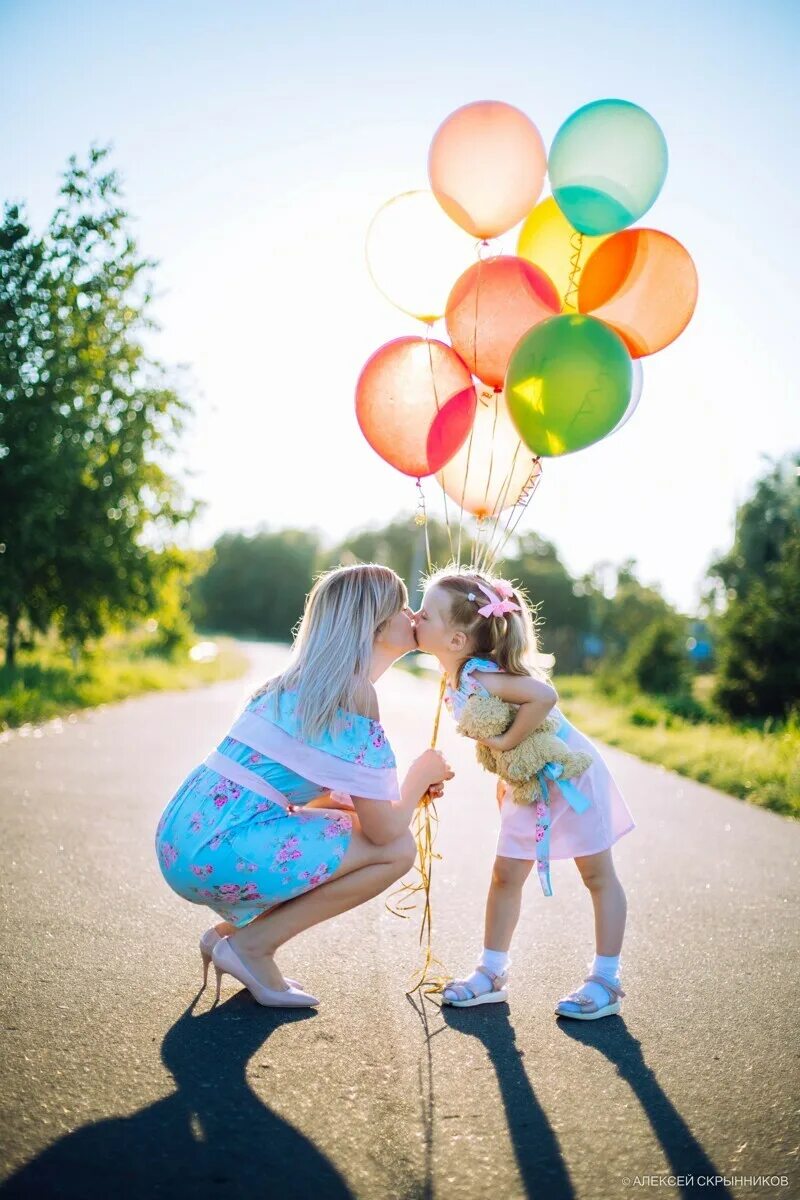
x=212, y=1136
x=540, y=1162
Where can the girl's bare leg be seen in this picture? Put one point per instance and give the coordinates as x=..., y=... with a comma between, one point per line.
x=504, y=901
x=608, y=898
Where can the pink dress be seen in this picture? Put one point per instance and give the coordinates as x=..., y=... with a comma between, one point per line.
x=604, y=819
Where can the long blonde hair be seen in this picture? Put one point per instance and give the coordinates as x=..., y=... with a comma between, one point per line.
x=332, y=651
x=510, y=640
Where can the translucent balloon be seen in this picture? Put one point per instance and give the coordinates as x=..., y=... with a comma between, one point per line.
x=546, y=240
x=637, y=383
x=414, y=252
x=642, y=283
x=493, y=467
x=568, y=384
x=607, y=164
x=415, y=403
x=493, y=303
x=486, y=166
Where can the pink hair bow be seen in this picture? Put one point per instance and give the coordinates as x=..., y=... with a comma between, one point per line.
x=498, y=607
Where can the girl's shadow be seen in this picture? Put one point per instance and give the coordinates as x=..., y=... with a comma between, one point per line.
x=539, y=1159
x=212, y=1137
x=683, y=1152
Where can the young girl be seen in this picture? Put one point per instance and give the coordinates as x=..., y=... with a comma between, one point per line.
x=244, y=833
x=483, y=634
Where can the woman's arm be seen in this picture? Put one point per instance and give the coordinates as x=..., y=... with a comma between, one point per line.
x=534, y=697
x=381, y=821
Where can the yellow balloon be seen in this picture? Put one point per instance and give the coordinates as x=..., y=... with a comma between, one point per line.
x=415, y=253
x=546, y=240
x=491, y=470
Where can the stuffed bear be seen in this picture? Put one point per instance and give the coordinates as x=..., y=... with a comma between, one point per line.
x=487, y=716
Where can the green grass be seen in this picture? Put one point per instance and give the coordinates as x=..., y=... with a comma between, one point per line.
x=758, y=763
x=45, y=683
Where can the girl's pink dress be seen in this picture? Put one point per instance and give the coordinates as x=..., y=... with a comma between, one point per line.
x=604, y=820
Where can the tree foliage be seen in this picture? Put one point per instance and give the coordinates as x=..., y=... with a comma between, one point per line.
x=87, y=418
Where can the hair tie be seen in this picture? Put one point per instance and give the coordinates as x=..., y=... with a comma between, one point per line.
x=498, y=607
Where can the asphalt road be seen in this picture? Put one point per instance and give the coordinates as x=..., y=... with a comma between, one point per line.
x=119, y=1081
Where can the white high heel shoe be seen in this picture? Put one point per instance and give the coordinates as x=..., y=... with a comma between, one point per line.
x=207, y=943
x=227, y=961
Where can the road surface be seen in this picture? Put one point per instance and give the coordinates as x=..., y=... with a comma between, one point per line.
x=120, y=1081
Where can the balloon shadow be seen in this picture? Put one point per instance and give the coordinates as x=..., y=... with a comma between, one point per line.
x=684, y=1153
x=539, y=1159
x=212, y=1137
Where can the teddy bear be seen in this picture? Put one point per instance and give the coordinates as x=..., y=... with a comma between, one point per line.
x=488, y=716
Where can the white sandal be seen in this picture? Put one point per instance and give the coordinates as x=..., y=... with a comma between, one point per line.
x=590, y=1010
x=498, y=992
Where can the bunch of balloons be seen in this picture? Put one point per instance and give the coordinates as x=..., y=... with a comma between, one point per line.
x=544, y=345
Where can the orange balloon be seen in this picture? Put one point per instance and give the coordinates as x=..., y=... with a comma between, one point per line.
x=487, y=165
x=493, y=467
x=493, y=303
x=415, y=403
x=643, y=284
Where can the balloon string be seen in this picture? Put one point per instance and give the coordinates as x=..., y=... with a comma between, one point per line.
x=516, y=513
x=571, y=294
x=425, y=828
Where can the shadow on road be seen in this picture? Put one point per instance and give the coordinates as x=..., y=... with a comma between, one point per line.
x=212, y=1137
x=682, y=1150
x=539, y=1159
x=541, y=1165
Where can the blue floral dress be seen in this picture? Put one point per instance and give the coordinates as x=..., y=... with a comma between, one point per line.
x=235, y=837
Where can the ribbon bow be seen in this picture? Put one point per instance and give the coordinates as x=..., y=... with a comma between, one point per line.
x=498, y=607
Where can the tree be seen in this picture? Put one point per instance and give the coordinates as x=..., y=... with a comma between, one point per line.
x=256, y=586
x=562, y=610
x=759, y=653
x=763, y=524
x=86, y=417
x=758, y=581
x=400, y=545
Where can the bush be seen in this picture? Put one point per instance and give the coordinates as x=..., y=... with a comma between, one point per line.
x=656, y=661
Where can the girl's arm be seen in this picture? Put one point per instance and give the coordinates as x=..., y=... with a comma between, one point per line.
x=534, y=697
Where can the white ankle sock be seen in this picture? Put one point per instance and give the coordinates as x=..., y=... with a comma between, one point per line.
x=606, y=965
x=496, y=961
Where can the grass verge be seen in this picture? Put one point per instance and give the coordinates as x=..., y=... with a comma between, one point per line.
x=45, y=682
x=760, y=764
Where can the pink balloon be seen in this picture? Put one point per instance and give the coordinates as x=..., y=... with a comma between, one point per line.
x=491, y=306
x=415, y=403
x=487, y=165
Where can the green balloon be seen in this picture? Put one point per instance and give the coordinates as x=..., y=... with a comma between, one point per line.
x=568, y=384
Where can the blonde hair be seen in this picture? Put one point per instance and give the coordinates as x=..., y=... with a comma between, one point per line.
x=510, y=640
x=332, y=651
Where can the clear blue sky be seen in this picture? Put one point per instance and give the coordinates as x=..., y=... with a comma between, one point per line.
x=256, y=141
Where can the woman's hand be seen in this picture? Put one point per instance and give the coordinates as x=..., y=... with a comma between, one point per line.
x=431, y=768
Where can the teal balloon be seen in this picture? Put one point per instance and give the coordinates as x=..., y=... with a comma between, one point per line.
x=568, y=384
x=607, y=165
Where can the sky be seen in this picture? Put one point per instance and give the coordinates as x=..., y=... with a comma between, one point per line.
x=257, y=140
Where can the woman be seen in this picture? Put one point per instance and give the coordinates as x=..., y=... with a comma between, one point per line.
x=253, y=831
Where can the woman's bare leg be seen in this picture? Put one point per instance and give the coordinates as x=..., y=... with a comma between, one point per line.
x=365, y=871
